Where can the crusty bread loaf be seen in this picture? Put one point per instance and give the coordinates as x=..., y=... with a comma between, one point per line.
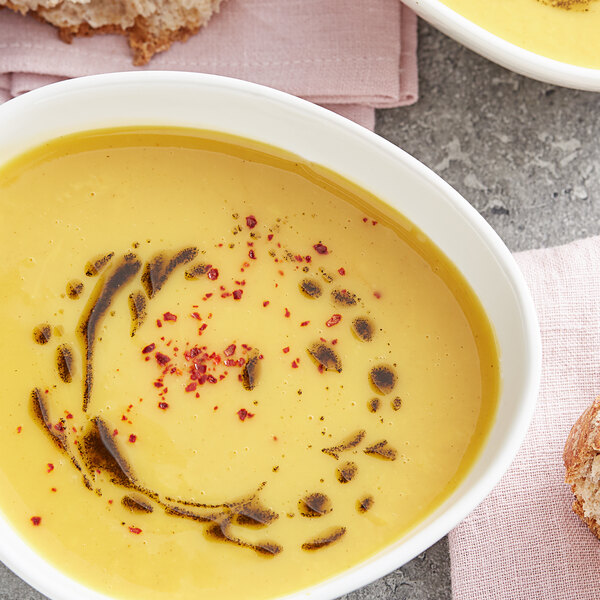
x=582, y=461
x=151, y=25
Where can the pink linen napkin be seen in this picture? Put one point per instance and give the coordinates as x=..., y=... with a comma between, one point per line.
x=523, y=542
x=349, y=56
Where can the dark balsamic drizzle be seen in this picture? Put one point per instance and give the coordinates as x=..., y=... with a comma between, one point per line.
x=326, y=357
x=101, y=299
x=39, y=408
x=314, y=505
x=74, y=289
x=365, y=504
x=347, y=444
x=363, y=328
x=383, y=378
x=42, y=334
x=196, y=271
x=344, y=298
x=346, y=472
x=250, y=371
x=373, y=405
x=100, y=452
x=310, y=288
x=64, y=363
x=157, y=271
x=137, y=307
x=136, y=504
x=96, y=265
x=326, y=539
x=381, y=450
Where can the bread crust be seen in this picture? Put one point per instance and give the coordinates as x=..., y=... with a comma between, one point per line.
x=581, y=448
x=143, y=39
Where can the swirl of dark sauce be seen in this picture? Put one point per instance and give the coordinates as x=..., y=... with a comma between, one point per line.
x=99, y=303
x=98, y=451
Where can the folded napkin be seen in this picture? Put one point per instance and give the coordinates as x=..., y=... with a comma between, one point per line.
x=523, y=542
x=349, y=56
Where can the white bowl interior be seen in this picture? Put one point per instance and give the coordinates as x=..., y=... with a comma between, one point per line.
x=210, y=102
x=502, y=52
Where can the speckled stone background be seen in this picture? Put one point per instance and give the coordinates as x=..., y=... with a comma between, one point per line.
x=526, y=155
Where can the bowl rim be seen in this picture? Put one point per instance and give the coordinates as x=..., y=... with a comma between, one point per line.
x=502, y=52
x=388, y=559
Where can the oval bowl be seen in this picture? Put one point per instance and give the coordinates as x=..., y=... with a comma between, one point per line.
x=502, y=52
x=318, y=135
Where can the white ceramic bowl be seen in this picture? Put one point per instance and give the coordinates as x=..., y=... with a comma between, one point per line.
x=502, y=52
x=248, y=110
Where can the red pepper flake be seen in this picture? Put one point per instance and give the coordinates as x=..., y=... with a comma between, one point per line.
x=52, y=489
x=50, y=468
x=158, y=384
x=275, y=438
x=36, y=520
x=191, y=387
x=252, y=255
x=243, y=414
x=237, y=294
x=377, y=295
x=286, y=349
x=266, y=303
x=295, y=364
x=287, y=313
x=163, y=405
x=158, y=323
x=202, y=328
x=211, y=379
x=374, y=222
x=270, y=237
x=251, y=221
x=169, y=316
x=110, y=501
x=280, y=272
x=207, y=296
x=308, y=258
x=334, y=320
x=196, y=315
x=213, y=274
x=304, y=323
x=334, y=342
x=162, y=359
x=148, y=348
x=298, y=257
x=365, y=219
x=215, y=408
x=135, y=530
x=19, y=429
x=342, y=271
x=115, y=432
x=59, y=426
x=230, y=350
x=321, y=248
x=132, y=438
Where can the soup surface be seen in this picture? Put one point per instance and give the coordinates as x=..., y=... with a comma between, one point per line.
x=565, y=30
x=228, y=372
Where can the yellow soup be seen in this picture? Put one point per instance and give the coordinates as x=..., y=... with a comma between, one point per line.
x=227, y=373
x=565, y=30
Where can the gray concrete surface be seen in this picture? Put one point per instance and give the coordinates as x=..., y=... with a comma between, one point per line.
x=526, y=155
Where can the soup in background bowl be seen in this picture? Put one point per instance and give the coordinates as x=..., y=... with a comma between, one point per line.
x=553, y=41
x=249, y=336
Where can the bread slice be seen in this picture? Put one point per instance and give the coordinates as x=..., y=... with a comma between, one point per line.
x=151, y=25
x=582, y=461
